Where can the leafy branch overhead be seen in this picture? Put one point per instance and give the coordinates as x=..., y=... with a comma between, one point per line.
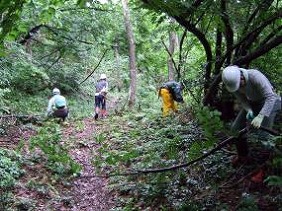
x=245, y=31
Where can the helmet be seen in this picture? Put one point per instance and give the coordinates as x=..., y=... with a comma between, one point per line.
x=231, y=78
x=56, y=91
x=103, y=76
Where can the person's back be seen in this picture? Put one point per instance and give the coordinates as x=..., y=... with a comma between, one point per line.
x=60, y=101
x=101, y=87
x=171, y=94
x=100, y=96
x=57, y=105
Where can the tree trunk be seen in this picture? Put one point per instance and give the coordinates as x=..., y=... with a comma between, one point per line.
x=117, y=73
x=132, y=57
x=172, y=45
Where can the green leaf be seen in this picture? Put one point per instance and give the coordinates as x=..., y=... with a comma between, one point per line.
x=81, y=3
x=274, y=181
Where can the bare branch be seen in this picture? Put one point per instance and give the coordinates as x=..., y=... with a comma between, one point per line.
x=95, y=67
x=170, y=55
x=260, y=51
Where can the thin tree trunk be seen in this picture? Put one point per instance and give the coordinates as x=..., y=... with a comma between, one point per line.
x=116, y=47
x=172, y=45
x=132, y=57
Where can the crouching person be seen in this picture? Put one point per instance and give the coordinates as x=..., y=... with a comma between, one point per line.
x=57, y=105
x=171, y=94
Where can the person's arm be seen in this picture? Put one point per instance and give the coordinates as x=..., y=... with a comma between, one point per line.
x=50, y=106
x=264, y=87
x=265, y=91
x=105, y=88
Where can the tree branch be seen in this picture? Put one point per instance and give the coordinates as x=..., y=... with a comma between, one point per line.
x=181, y=48
x=228, y=31
x=259, y=51
x=201, y=37
x=31, y=34
x=95, y=67
x=170, y=55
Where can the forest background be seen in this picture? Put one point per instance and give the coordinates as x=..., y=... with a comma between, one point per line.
x=139, y=45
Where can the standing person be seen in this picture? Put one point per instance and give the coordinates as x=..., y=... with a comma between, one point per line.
x=57, y=105
x=259, y=102
x=100, y=96
x=170, y=92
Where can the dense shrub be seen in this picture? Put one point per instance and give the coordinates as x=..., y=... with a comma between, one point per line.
x=29, y=78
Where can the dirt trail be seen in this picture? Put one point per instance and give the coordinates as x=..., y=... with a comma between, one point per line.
x=88, y=191
x=37, y=190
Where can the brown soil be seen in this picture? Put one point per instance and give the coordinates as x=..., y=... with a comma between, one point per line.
x=39, y=190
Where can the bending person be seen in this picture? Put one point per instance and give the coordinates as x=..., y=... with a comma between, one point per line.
x=170, y=92
x=57, y=105
x=259, y=102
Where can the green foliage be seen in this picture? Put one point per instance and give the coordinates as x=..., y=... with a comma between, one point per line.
x=247, y=203
x=22, y=74
x=210, y=121
x=48, y=140
x=28, y=78
x=11, y=13
x=9, y=168
x=274, y=180
x=4, y=102
x=5, y=79
x=65, y=78
x=10, y=171
x=29, y=104
x=148, y=144
x=269, y=64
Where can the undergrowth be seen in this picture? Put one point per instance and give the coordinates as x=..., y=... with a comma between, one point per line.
x=10, y=171
x=135, y=144
x=48, y=140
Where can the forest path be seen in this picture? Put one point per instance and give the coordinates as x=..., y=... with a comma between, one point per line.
x=88, y=191
x=40, y=189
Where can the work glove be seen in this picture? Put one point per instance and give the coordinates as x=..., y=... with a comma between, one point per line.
x=250, y=115
x=256, y=123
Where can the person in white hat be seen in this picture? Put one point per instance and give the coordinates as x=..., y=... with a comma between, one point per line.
x=100, y=97
x=57, y=105
x=259, y=102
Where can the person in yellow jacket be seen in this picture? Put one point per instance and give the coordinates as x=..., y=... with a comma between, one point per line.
x=171, y=94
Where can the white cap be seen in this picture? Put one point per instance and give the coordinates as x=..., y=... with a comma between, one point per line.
x=56, y=91
x=231, y=78
x=103, y=76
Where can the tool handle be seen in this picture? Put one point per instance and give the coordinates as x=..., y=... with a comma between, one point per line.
x=270, y=130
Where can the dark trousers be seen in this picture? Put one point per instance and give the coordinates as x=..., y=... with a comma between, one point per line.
x=61, y=113
x=100, y=101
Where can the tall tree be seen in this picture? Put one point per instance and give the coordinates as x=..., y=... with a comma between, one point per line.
x=132, y=56
x=241, y=32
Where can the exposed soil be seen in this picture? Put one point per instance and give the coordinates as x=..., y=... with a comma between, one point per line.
x=89, y=192
x=38, y=190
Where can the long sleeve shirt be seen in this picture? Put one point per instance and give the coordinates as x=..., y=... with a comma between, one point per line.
x=101, y=87
x=51, y=103
x=257, y=89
